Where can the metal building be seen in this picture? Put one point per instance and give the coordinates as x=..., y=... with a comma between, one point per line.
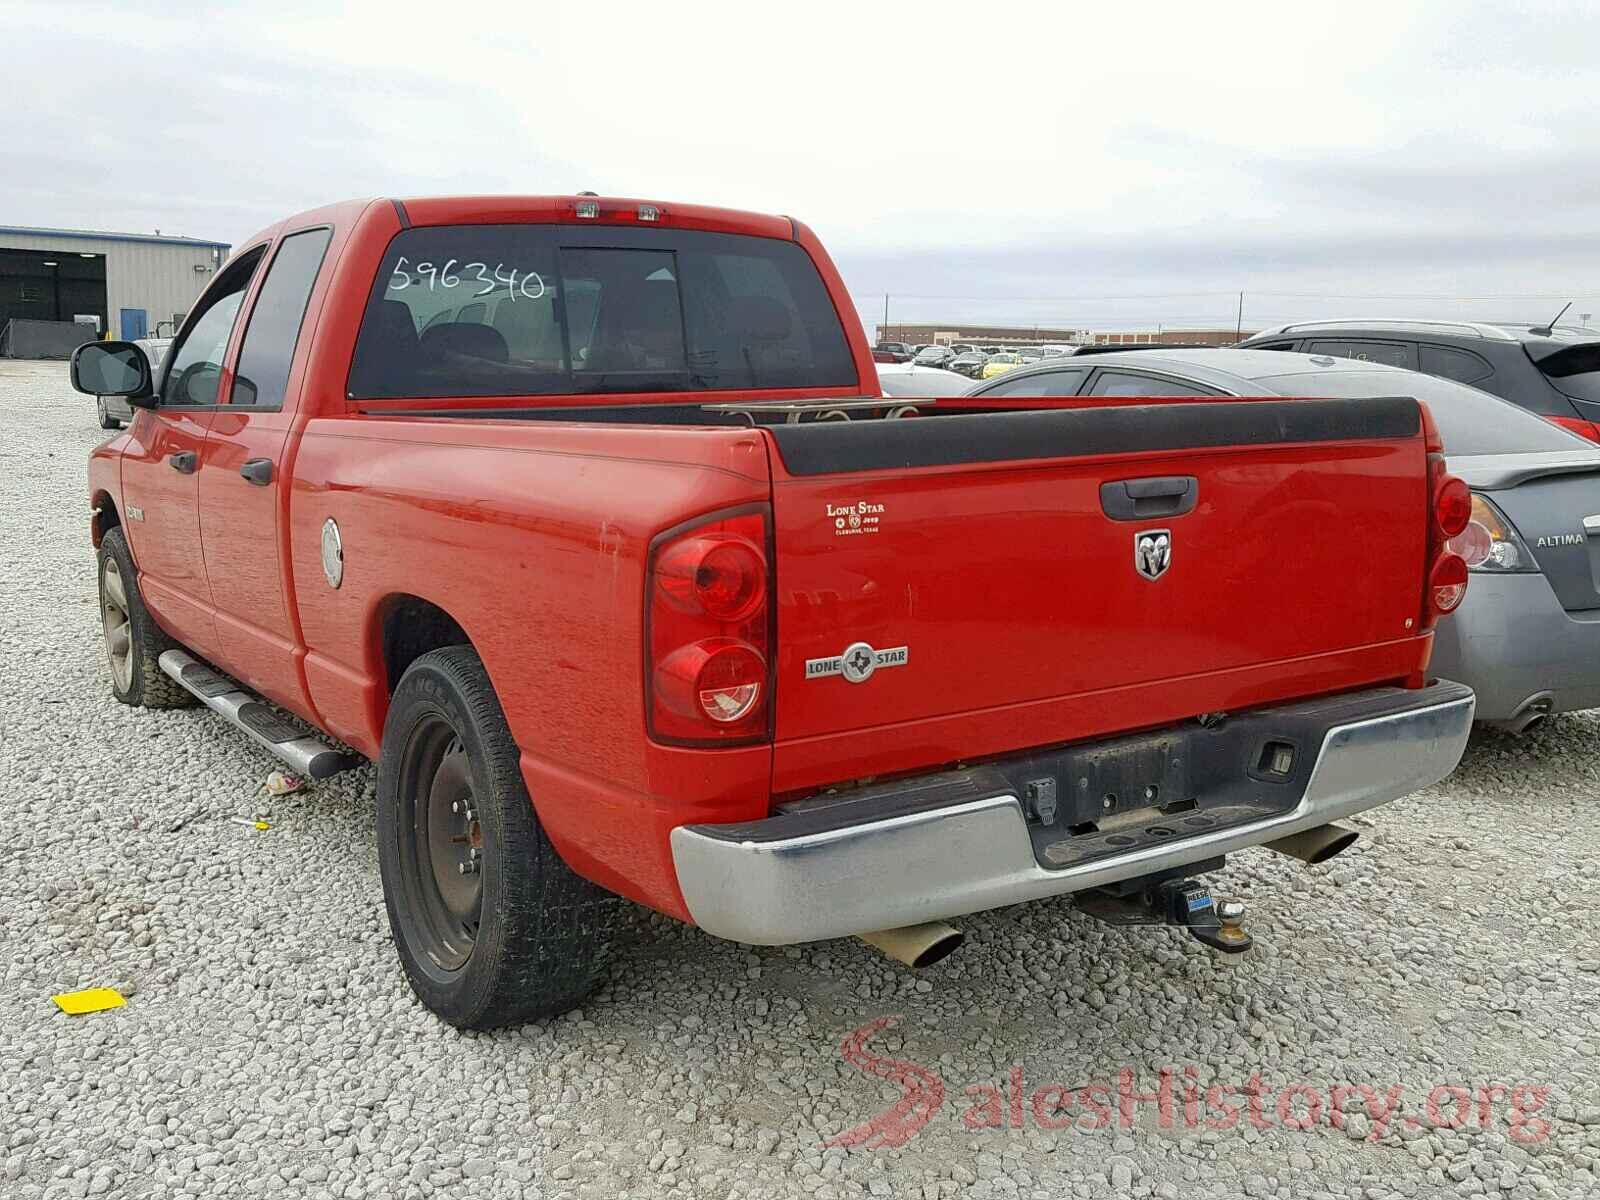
x=132, y=284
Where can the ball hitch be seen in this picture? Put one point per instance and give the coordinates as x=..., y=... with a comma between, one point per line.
x=1186, y=903
x=1216, y=923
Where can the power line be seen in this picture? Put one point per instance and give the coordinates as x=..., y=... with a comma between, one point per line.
x=874, y=297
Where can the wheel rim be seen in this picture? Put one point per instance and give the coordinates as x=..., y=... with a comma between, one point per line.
x=118, y=623
x=442, y=846
x=100, y=407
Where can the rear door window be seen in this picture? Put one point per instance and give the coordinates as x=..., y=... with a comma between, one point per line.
x=509, y=310
x=1392, y=354
x=1449, y=363
x=1129, y=383
x=262, y=374
x=1046, y=383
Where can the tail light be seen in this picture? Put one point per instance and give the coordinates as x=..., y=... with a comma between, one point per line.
x=708, y=677
x=1449, y=582
x=1452, y=505
x=1450, y=513
x=1490, y=543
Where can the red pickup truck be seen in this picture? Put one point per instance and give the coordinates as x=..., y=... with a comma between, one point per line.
x=586, y=520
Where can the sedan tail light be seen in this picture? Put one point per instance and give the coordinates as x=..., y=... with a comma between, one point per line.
x=1490, y=542
x=708, y=678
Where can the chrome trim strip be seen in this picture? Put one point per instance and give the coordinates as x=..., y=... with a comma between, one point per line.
x=977, y=855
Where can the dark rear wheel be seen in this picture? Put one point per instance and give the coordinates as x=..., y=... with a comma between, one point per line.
x=107, y=421
x=442, y=861
x=493, y=928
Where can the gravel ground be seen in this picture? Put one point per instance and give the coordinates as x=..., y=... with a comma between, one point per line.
x=270, y=1046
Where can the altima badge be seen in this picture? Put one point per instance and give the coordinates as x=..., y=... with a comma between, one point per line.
x=1152, y=552
x=857, y=663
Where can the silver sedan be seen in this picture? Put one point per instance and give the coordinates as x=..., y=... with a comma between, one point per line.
x=1527, y=636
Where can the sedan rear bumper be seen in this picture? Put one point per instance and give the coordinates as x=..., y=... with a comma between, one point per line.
x=1512, y=642
x=937, y=847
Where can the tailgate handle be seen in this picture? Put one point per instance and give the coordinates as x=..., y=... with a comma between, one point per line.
x=1157, y=496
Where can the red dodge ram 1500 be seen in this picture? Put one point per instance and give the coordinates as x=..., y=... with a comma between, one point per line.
x=585, y=518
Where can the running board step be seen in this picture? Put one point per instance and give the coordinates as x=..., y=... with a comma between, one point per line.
x=256, y=719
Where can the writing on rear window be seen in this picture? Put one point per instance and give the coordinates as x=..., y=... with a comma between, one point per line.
x=530, y=287
x=542, y=310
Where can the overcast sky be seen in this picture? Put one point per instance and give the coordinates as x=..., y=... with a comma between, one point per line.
x=1102, y=165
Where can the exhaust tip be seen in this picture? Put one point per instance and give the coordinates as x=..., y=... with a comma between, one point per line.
x=1333, y=846
x=1317, y=845
x=1533, y=716
x=917, y=946
x=1534, y=712
x=939, y=950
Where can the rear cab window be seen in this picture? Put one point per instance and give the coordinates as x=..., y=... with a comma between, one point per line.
x=529, y=310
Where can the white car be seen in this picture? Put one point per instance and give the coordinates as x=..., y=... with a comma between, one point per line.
x=911, y=381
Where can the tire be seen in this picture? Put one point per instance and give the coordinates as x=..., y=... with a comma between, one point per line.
x=520, y=938
x=107, y=421
x=134, y=642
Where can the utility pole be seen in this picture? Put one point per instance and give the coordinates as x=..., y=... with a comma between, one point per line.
x=885, y=333
x=1238, y=330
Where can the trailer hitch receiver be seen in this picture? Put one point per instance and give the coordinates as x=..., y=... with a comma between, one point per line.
x=1186, y=903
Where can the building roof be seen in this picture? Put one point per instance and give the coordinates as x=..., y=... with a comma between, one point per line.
x=99, y=236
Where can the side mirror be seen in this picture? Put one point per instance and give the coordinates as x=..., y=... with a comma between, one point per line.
x=113, y=369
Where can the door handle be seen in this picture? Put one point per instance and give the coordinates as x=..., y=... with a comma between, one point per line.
x=1144, y=499
x=257, y=471
x=185, y=461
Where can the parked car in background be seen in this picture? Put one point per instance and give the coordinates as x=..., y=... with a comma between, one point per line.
x=969, y=363
x=912, y=379
x=999, y=364
x=895, y=352
x=114, y=412
x=1527, y=636
x=934, y=356
x=1550, y=370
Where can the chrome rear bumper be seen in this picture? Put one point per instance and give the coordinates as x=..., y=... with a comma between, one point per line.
x=761, y=884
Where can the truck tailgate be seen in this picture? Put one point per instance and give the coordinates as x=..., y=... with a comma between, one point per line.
x=1036, y=567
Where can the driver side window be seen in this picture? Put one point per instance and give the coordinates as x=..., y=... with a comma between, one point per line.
x=194, y=365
